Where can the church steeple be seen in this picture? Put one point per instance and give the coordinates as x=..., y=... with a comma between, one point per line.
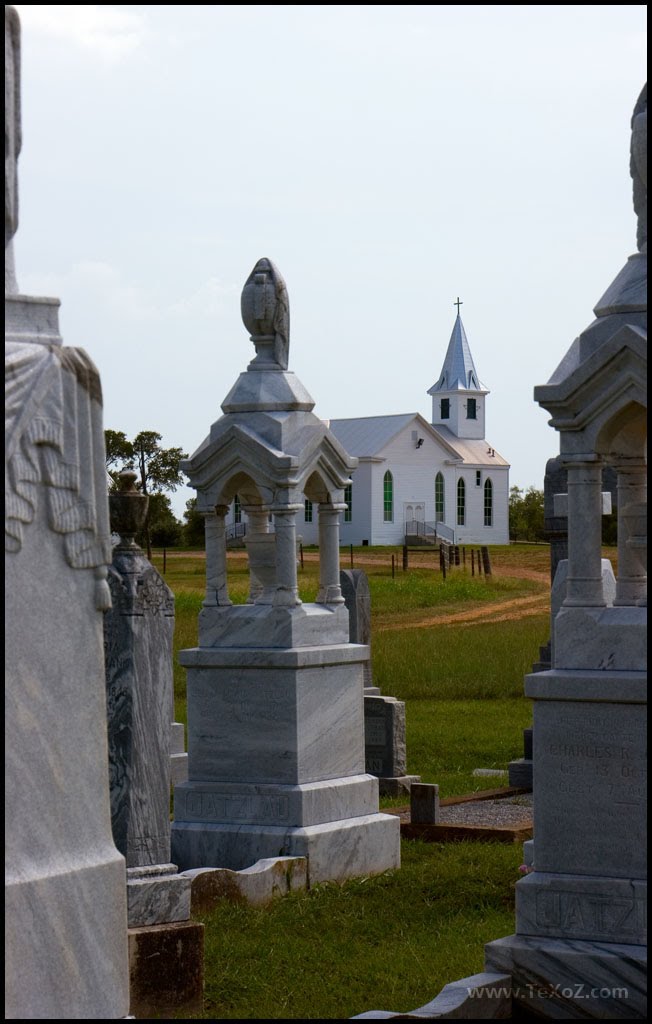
x=458, y=395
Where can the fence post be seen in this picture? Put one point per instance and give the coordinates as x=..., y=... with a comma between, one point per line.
x=405, y=557
x=464, y=557
x=486, y=561
x=472, y=562
x=457, y=554
x=392, y=566
x=479, y=564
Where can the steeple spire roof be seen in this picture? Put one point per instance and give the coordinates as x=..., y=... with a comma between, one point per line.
x=458, y=372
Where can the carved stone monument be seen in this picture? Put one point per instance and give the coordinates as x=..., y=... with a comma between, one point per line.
x=580, y=944
x=138, y=633
x=384, y=717
x=275, y=689
x=65, y=881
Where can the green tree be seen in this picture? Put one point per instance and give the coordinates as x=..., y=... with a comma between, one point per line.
x=193, y=530
x=158, y=469
x=526, y=518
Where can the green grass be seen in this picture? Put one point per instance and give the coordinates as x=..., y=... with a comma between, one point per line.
x=473, y=661
x=392, y=942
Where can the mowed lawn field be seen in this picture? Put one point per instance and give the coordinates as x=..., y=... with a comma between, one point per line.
x=456, y=651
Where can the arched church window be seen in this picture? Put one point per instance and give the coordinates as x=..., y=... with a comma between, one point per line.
x=307, y=511
x=348, y=498
x=488, y=503
x=461, y=503
x=388, y=498
x=440, y=508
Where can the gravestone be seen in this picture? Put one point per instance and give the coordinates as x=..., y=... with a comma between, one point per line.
x=384, y=717
x=178, y=754
x=580, y=948
x=521, y=771
x=65, y=881
x=357, y=598
x=138, y=633
x=275, y=689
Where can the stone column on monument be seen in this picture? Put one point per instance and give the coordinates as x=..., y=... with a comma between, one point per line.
x=287, y=587
x=584, y=580
x=330, y=591
x=261, y=550
x=631, y=587
x=217, y=591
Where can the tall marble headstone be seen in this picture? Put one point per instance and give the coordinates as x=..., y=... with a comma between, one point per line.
x=138, y=633
x=580, y=948
x=384, y=717
x=65, y=881
x=275, y=689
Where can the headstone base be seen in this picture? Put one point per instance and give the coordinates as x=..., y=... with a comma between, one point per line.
x=397, y=785
x=156, y=894
x=520, y=773
x=335, y=851
x=166, y=970
x=557, y=979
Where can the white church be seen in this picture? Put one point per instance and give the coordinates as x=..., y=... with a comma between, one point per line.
x=440, y=481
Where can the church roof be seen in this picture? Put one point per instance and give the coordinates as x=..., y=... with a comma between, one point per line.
x=458, y=372
x=365, y=436
x=472, y=452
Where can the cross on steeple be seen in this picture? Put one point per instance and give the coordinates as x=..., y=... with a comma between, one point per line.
x=458, y=304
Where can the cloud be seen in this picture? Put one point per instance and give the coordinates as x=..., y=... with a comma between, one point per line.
x=106, y=31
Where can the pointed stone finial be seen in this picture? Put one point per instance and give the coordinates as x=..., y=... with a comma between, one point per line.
x=12, y=140
x=638, y=167
x=128, y=509
x=266, y=315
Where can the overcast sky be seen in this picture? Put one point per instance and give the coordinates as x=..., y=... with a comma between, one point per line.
x=388, y=160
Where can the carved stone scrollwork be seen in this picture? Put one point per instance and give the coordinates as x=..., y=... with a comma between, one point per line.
x=55, y=453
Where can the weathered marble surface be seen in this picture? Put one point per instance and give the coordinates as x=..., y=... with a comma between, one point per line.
x=589, y=767
x=257, y=885
x=261, y=721
x=385, y=750
x=602, y=909
x=178, y=754
x=263, y=804
x=595, y=638
x=65, y=881
x=357, y=598
x=573, y=980
x=138, y=633
x=384, y=725
x=337, y=850
x=157, y=895
x=305, y=625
